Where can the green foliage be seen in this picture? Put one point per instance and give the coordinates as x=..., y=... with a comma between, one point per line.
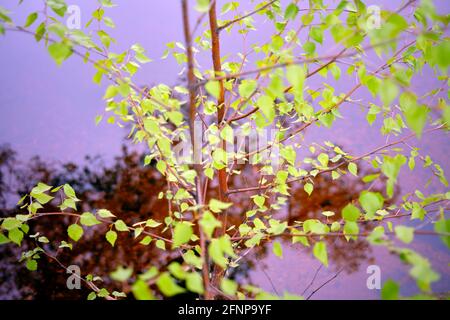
x=59, y=52
x=168, y=286
x=111, y=237
x=274, y=89
x=88, y=219
x=443, y=226
x=277, y=249
x=371, y=202
x=350, y=213
x=391, y=168
x=182, y=234
x=75, y=232
x=320, y=252
x=390, y=290
x=405, y=234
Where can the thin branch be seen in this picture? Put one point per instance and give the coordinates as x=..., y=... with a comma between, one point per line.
x=330, y=109
x=77, y=215
x=258, y=188
x=90, y=284
x=294, y=62
x=192, y=113
x=341, y=234
x=226, y=25
x=324, y=284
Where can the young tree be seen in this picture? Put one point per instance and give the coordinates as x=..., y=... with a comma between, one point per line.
x=248, y=113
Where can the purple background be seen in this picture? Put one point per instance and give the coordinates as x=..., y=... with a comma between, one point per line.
x=50, y=111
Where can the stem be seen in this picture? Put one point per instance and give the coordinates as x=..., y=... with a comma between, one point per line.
x=226, y=25
x=222, y=175
x=197, y=165
x=221, y=99
x=412, y=135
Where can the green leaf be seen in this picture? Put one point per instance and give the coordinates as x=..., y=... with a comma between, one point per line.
x=209, y=172
x=31, y=19
x=75, y=232
x=175, y=117
x=216, y=253
x=92, y=296
x=317, y=34
x=246, y=88
x=350, y=213
x=120, y=225
x=353, y=168
x=217, y=206
x=152, y=223
x=11, y=223
x=43, y=239
x=266, y=105
x=16, y=236
x=351, y=228
x=40, y=188
x=146, y=240
x=160, y=244
x=58, y=6
x=218, y=248
x=259, y=200
x=309, y=47
x=177, y=270
x=59, y=52
x=416, y=115
x=104, y=213
x=194, y=282
x=228, y=286
x=443, y=226
x=167, y=285
x=320, y=252
x=277, y=249
x=103, y=293
x=323, y=159
x=371, y=202
x=88, y=219
x=439, y=55
x=390, y=290
x=141, y=291
x=40, y=31
x=192, y=259
x=121, y=274
x=288, y=153
x=31, y=264
x=308, y=187
x=405, y=234
x=417, y=212
x=388, y=91
x=291, y=11
x=335, y=226
x=42, y=198
x=3, y=239
x=391, y=168
x=111, y=237
x=111, y=92
x=213, y=88
x=182, y=234
x=202, y=5
x=209, y=223
x=296, y=76
x=227, y=134
x=69, y=192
